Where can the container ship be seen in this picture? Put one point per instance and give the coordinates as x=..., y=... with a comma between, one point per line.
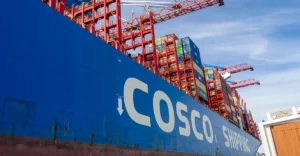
x=67, y=88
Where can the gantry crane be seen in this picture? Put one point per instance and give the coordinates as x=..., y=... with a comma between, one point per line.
x=146, y=4
x=244, y=83
x=227, y=71
x=129, y=34
x=232, y=69
x=236, y=68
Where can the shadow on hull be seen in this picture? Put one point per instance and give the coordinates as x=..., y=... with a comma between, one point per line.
x=28, y=146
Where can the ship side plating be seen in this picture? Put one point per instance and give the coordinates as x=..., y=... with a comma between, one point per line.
x=57, y=85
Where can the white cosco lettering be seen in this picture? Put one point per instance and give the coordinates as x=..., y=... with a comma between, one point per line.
x=132, y=84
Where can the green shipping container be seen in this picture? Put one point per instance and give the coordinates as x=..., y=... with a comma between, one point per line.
x=202, y=94
x=179, y=50
x=158, y=41
x=178, y=43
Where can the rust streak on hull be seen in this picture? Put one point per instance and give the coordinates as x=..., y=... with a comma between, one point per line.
x=27, y=146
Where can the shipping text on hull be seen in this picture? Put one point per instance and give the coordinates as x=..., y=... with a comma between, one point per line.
x=65, y=92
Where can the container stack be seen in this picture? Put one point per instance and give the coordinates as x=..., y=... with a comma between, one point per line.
x=232, y=106
x=251, y=123
x=192, y=72
x=257, y=132
x=168, y=59
x=246, y=116
x=180, y=64
x=238, y=108
x=149, y=61
x=218, y=95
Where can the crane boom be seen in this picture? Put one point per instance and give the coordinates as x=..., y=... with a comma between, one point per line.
x=170, y=11
x=182, y=8
x=214, y=66
x=236, y=68
x=244, y=83
x=153, y=4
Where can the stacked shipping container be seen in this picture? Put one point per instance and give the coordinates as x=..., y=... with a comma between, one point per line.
x=238, y=108
x=149, y=61
x=246, y=120
x=251, y=123
x=232, y=107
x=246, y=117
x=219, y=92
x=257, y=134
x=180, y=64
x=167, y=59
x=192, y=56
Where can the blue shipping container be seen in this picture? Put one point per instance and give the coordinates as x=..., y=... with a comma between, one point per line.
x=199, y=77
x=77, y=2
x=186, y=41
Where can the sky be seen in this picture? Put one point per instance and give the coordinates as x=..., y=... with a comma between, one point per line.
x=263, y=33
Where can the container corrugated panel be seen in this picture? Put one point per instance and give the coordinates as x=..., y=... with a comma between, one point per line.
x=201, y=85
x=243, y=120
x=250, y=117
x=160, y=48
x=189, y=41
x=202, y=93
x=218, y=81
x=179, y=43
x=158, y=41
x=235, y=101
x=238, y=107
x=226, y=95
x=180, y=58
x=189, y=47
x=197, y=60
x=163, y=39
x=76, y=2
x=179, y=51
x=209, y=74
x=199, y=77
x=168, y=38
x=186, y=41
x=198, y=69
x=234, y=114
x=228, y=108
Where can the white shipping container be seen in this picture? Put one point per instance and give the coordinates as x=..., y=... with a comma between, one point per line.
x=235, y=119
x=240, y=121
x=235, y=100
x=228, y=108
x=200, y=85
x=230, y=97
x=198, y=69
x=232, y=108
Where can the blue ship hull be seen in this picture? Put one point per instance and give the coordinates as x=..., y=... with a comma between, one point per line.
x=60, y=85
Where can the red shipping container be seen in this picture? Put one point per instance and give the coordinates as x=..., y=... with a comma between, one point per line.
x=238, y=108
x=218, y=95
x=232, y=107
